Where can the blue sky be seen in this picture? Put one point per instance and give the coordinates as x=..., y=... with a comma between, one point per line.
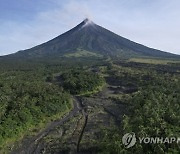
x=26, y=23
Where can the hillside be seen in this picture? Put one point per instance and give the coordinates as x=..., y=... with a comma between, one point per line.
x=90, y=39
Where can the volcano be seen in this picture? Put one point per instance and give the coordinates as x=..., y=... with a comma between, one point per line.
x=90, y=39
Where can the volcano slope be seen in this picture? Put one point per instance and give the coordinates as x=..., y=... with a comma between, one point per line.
x=90, y=39
x=82, y=91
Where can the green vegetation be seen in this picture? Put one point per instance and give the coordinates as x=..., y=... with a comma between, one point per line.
x=153, y=110
x=25, y=105
x=83, y=53
x=28, y=97
x=81, y=82
x=142, y=94
x=27, y=101
x=33, y=92
x=153, y=60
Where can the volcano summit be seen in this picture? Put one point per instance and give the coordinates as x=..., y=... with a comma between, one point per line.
x=88, y=38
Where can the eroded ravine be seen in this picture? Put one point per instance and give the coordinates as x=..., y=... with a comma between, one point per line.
x=85, y=114
x=75, y=132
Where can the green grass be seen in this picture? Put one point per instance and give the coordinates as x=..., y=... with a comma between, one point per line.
x=153, y=61
x=96, y=90
x=82, y=53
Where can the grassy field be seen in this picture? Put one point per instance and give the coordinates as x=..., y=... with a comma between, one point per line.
x=83, y=53
x=153, y=61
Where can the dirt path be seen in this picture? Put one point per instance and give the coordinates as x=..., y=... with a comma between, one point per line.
x=30, y=145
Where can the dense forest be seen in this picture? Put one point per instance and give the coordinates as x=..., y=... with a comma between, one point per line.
x=153, y=110
x=80, y=82
x=29, y=100
x=26, y=101
x=33, y=93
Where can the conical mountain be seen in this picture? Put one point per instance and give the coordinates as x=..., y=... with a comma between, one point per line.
x=88, y=38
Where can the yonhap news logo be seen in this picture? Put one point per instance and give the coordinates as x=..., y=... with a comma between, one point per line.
x=130, y=139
